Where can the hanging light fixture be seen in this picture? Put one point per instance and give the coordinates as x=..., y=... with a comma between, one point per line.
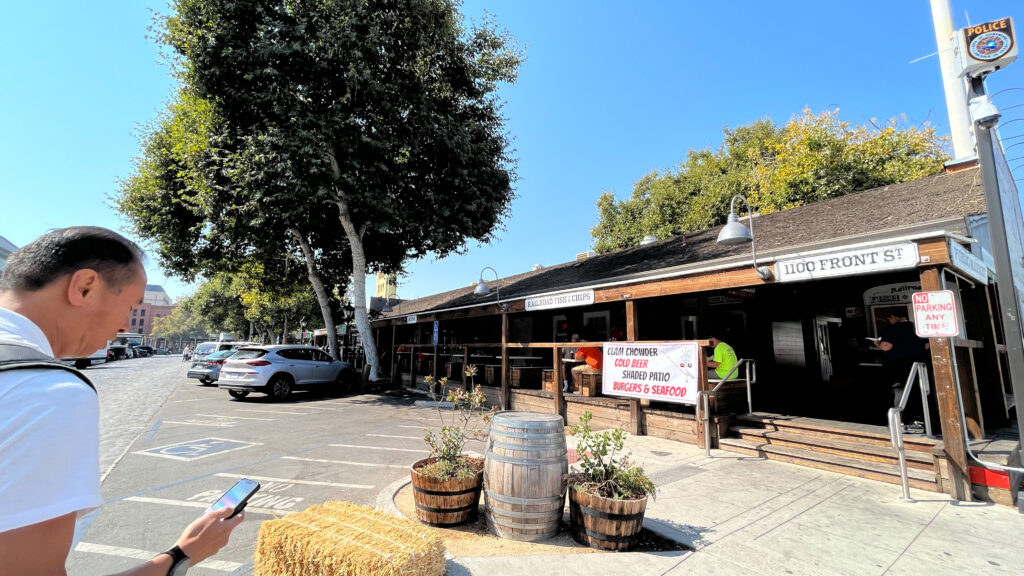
x=735, y=233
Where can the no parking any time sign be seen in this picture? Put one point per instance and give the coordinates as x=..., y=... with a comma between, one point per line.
x=935, y=314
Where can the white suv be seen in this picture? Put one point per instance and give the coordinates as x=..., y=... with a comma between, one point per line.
x=277, y=370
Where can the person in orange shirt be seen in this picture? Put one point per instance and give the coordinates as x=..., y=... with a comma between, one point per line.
x=592, y=356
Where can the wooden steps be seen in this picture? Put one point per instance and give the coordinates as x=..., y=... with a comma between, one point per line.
x=847, y=448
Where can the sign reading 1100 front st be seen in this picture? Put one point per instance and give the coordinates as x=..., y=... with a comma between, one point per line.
x=848, y=262
x=668, y=372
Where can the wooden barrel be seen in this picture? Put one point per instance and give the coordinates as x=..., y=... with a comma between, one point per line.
x=605, y=523
x=523, y=468
x=445, y=503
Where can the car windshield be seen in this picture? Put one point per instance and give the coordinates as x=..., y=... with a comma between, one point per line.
x=248, y=354
x=220, y=355
x=206, y=348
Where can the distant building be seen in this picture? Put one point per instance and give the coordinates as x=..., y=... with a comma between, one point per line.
x=6, y=247
x=155, y=304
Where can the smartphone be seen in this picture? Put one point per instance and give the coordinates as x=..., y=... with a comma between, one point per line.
x=237, y=497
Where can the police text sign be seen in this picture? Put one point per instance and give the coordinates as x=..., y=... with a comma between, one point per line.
x=935, y=314
x=668, y=372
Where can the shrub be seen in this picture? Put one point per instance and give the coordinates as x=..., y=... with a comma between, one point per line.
x=604, y=469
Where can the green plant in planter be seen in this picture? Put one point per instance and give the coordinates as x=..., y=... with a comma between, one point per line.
x=604, y=469
x=464, y=416
x=471, y=372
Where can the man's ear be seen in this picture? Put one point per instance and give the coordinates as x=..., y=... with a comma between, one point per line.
x=81, y=285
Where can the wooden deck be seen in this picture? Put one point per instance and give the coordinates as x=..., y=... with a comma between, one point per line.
x=848, y=448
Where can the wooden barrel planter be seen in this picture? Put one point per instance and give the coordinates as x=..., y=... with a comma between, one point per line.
x=523, y=468
x=445, y=503
x=605, y=523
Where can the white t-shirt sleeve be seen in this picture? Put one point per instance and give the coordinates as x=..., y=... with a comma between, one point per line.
x=49, y=447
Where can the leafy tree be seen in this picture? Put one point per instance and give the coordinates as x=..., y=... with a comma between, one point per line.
x=194, y=195
x=384, y=109
x=180, y=325
x=813, y=157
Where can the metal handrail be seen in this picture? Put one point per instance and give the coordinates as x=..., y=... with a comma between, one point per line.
x=920, y=371
x=704, y=402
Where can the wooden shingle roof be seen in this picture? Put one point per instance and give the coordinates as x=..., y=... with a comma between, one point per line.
x=942, y=202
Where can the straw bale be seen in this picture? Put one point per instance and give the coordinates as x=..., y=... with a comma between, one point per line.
x=344, y=539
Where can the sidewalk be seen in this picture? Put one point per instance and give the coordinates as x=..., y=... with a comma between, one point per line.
x=747, y=516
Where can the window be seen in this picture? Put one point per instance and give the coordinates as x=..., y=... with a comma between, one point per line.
x=321, y=356
x=248, y=354
x=135, y=312
x=142, y=321
x=142, y=312
x=133, y=321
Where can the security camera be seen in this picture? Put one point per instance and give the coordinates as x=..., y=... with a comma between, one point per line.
x=984, y=112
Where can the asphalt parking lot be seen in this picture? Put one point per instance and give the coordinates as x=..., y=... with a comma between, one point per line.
x=186, y=450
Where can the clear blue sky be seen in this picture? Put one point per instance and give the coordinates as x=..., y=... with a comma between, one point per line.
x=610, y=91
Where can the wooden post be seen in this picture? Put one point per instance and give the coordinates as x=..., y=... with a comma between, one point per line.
x=433, y=371
x=556, y=355
x=704, y=385
x=394, y=357
x=412, y=366
x=506, y=398
x=946, y=396
x=633, y=334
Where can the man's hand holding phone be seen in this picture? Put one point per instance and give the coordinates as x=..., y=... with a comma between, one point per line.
x=210, y=532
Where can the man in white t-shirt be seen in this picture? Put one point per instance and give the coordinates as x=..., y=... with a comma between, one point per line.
x=65, y=295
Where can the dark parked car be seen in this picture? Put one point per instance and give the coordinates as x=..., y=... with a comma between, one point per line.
x=277, y=370
x=138, y=351
x=117, y=352
x=149, y=350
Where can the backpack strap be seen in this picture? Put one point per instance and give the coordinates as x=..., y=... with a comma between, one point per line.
x=17, y=357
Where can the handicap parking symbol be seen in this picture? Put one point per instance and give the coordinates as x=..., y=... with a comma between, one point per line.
x=196, y=449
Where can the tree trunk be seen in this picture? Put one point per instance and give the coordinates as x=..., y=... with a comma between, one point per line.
x=284, y=330
x=355, y=241
x=321, y=292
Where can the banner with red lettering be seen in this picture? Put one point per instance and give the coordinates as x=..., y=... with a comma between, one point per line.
x=669, y=372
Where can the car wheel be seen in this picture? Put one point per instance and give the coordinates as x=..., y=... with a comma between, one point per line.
x=81, y=364
x=239, y=394
x=342, y=384
x=280, y=387
x=205, y=381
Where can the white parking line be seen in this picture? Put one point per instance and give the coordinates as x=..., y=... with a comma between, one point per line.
x=275, y=412
x=135, y=553
x=390, y=436
x=291, y=481
x=236, y=417
x=379, y=448
x=408, y=426
x=347, y=463
x=189, y=400
x=221, y=424
x=187, y=504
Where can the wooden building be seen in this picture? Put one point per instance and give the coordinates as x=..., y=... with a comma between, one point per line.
x=840, y=268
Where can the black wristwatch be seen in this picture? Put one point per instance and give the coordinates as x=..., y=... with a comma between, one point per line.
x=180, y=562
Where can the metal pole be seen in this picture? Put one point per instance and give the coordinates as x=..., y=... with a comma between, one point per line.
x=956, y=98
x=1009, y=313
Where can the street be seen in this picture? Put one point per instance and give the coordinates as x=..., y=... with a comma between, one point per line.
x=173, y=447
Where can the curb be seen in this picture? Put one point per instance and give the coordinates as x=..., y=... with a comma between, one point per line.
x=386, y=497
x=386, y=503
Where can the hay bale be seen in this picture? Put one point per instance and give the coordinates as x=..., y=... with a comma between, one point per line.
x=347, y=540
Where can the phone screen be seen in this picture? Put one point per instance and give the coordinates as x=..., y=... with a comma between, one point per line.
x=237, y=496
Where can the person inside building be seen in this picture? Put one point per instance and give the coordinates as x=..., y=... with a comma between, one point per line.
x=591, y=358
x=568, y=359
x=722, y=360
x=903, y=347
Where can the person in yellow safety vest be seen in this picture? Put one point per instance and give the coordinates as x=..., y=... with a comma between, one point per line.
x=722, y=361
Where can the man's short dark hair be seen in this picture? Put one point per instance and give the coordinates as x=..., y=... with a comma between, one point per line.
x=68, y=250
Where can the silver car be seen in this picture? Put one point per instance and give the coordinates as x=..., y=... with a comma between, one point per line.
x=277, y=370
x=207, y=370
